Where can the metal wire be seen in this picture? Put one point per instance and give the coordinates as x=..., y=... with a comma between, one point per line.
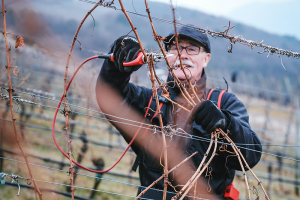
x=233, y=39
x=104, y=113
x=20, y=177
x=208, y=140
x=112, y=180
x=55, y=169
x=84, y=109
x=107, y=179
x=14, y=178
x=179, y=131
x=108, y=146
x=269, y=49
x=192, y=137
x=16, y=99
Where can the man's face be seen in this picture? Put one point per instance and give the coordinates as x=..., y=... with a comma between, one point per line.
x=193, y=64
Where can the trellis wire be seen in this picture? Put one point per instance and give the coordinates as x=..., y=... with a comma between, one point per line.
x=108, y=146
x=112, y=180
x=193, y=137
x=223, y=34
x=270, y=50
x=208, y=140
x=54, y=183
x=211, y=78
x=69, y=104
x=87, y=109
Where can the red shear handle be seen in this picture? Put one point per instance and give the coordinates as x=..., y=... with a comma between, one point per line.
x=138, y=61
x=231, y=193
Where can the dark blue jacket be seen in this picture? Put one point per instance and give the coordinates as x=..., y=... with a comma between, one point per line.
x=223, y=165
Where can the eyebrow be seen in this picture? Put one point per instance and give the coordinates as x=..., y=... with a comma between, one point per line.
x=193, y=43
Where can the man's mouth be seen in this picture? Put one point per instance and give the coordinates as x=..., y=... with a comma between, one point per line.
x=188, y=66
x=184, y=66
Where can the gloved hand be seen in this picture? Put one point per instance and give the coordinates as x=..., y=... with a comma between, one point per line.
x=209, y=116
x=125, y=48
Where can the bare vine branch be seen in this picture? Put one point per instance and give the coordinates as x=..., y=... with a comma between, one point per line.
x=171, y=170
x=179, y=56
x=240, y=155
x=158, y=39
x=66, y=112
x=204, y=167
x=161, y=125
x=8, y=67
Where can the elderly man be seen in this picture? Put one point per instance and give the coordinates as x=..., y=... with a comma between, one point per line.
x=206, y=116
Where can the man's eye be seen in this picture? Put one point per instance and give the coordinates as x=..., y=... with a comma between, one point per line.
x=173, y=48
x=193, y=48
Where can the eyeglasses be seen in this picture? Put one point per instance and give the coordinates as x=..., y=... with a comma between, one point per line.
x=190, y=50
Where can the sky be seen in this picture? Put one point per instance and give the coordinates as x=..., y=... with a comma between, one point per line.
x=274, y=16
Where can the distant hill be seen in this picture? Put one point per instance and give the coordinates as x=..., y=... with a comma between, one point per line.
x=110, y=24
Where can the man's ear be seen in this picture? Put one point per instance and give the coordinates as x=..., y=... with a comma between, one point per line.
x=206, y=59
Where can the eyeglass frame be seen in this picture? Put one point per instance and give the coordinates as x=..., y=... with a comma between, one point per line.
x=179, y=46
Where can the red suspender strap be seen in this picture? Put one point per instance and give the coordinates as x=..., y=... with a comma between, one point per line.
x=160, y=106
x=209, y=94
x=220, y=98
x=146, y=113
x=149, y=104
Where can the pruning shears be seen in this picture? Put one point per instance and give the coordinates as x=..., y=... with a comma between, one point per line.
x=139, y=60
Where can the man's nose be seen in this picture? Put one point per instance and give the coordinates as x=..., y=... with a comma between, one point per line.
x=184, y=54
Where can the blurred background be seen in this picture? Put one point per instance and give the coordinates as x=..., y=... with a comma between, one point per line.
x=260, y=81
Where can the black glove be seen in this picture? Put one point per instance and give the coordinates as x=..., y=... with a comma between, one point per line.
x=125, y=48
x=209, y=116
